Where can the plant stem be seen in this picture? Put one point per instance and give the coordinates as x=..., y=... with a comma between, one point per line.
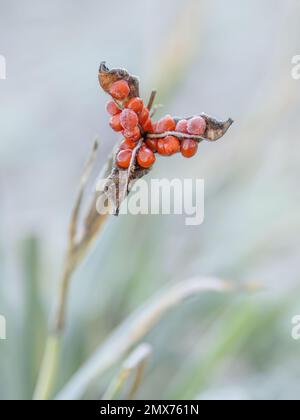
x=49, y=368
x=151, y=99
x=60, y=310
x=75, y=252
x=176, y=134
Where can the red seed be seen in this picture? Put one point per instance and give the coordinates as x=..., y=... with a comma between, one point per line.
x=119, y=90
x=188, y=148
x=136, y=104
x=166, y=123
x=112, y=108
x=196, y=126
x=123, y=158
x=152, y=144
x=127, y=144
x=168, y=146
x=144, y=115
x=129, y=120
x=133, y=135
x=181, y=126
x=147, y=126
x=145, y=157
x=115, y=123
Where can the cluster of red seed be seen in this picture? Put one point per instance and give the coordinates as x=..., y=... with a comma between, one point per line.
x=134, y=121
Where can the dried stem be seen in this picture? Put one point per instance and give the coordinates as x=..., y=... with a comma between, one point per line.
x=141, y=357
x=176, y=134
x=84, y=179
x=151, y=99
x=76, y=250
x=134, y=364
x=72, y=254
x=132, y=163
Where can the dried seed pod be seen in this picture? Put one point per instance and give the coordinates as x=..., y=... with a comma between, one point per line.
x=153, y=135
x=107, y=77
x=215, y=129
x=120, y=181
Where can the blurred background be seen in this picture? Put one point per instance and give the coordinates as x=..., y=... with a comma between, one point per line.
x=228, y=59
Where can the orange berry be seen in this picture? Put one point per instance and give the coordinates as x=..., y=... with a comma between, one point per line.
x=166, y=123
x=136, y=104
x=144, y=115
x=181, y=126
x=196, y=126
x=119, y=90
x=123, y=158
x=188, y=148
x=147, y=126
x=112, y=108
x=127, y=144
x=168, y=146
x=133, y=135
x=145, y=157
x=115, y=123
x=152, y=144
x=129, y=119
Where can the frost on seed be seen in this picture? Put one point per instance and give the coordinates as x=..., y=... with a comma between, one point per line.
x=215, y=129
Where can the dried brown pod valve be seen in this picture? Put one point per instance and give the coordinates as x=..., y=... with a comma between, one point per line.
x=108, y=76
